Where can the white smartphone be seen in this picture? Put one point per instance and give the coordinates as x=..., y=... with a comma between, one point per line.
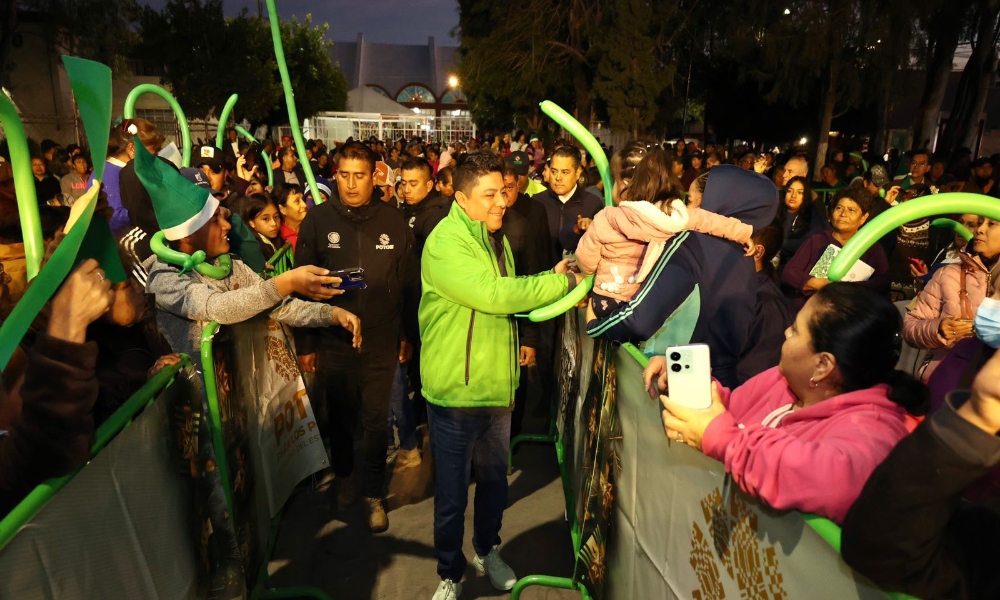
x=689, y=375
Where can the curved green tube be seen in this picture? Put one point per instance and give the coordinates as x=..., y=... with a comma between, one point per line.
x=215, y=413
x=250, y=138
x=186, y=262
x=24, y=186
x=149, y=88
x=227, y=110
x=590, y=143
x=864, y=163
x=293, y=115
x=950, y=203
x=563, y=304
x=955, y=226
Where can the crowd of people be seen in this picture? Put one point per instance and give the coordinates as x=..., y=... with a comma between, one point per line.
x=401, y=270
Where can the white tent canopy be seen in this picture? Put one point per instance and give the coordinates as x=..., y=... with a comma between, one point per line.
x=367, y=100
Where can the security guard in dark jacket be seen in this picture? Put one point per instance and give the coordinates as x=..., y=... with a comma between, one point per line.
x=351, y=231
x=423, y=208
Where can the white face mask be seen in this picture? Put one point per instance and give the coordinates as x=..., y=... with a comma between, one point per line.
x=987, y=322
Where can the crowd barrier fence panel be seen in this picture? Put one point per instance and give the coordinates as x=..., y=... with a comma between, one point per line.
x=651, y=518
x=118, y=527
x=261, y=479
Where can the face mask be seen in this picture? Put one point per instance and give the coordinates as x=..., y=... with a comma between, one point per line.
x=987, y=322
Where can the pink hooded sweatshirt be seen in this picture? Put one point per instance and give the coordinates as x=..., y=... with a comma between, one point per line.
x=624, y=242
x=814, y=459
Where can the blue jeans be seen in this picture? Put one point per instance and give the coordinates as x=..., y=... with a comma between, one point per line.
x=401, y=411
x=461, y=438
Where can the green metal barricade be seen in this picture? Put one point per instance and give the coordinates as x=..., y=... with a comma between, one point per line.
x=260, y=589
x=35, y=501
x=649, y=519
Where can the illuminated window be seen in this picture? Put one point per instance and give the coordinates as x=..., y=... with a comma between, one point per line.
x=454, y=96
x=415, y=93
x=380, y=91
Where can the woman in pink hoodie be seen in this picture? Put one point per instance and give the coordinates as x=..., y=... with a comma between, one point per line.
x=623, y=242
x=806, y=434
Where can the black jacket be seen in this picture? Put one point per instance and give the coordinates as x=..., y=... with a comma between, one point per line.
x=562, y=218
x=423, y=217
x=772, y=316
x=518, y=233
x=538, y=232
x=51, y=435
x=47, y=189
x=376, y=238
x=910, y=530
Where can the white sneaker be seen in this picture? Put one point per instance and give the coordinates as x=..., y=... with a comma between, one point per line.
x=501, y=575
x=447, y=590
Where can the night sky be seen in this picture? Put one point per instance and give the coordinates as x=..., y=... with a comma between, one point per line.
x=383, y=21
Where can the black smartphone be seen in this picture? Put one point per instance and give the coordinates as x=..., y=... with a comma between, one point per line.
x=350, y=279
x=253, y=151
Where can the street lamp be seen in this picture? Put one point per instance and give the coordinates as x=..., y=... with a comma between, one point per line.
x=452, y=81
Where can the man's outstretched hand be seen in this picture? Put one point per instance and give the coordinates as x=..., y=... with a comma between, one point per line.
x=309, y=281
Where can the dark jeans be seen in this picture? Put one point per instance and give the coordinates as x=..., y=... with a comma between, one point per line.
x=461, y=438
x=358, y=382
x=401, y=411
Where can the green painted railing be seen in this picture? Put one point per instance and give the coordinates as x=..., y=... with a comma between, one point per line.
x=35, y=501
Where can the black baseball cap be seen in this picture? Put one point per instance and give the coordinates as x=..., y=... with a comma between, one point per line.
x=518, y=160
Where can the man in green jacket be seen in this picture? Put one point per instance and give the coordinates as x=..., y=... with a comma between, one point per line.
x=470, y=364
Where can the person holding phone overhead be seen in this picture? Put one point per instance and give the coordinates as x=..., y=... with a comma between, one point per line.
x=806, y=434
x=942, y=313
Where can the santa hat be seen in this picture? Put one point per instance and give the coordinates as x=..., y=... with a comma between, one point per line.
x=181, y=207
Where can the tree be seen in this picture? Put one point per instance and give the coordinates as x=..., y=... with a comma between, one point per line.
x=841, y=47
x=629, y=76
x=318, y=84
x=939, y=40
x=101, y=30
x=207, y=57
x=508, y=62
x=978, y=77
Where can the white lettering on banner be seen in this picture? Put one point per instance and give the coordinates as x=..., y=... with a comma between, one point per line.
x=383, y=243
x=334, y=238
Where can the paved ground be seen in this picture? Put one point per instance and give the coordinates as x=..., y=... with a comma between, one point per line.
x=336, y=553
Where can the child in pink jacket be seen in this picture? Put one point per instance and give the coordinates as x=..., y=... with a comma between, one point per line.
x=623, y=242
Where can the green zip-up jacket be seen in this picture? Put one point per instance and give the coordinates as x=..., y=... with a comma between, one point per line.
x=469, y=355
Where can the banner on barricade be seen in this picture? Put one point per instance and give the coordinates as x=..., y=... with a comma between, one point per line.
x=597, y=422
x=270, y=433
x=285, y=427
x=682, y=529
x=122, y=527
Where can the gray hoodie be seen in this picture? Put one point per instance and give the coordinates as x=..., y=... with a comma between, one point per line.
x=187, y=303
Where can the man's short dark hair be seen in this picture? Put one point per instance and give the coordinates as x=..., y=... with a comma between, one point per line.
x=920, y=151
x=417, y=163
x=357, y=151
x=472, y=166
x=508, y=169
x=568, y=152
x=862, y=197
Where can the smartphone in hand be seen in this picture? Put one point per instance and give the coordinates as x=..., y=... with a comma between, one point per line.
x=351, y=279
x=689, y=375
